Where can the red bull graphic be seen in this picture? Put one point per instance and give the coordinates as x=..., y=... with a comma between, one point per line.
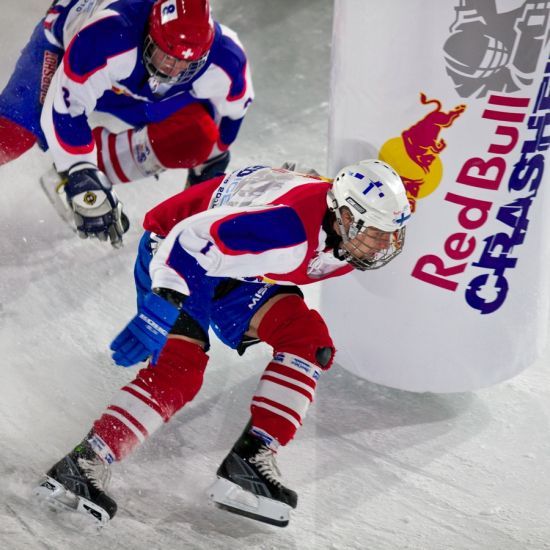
x=495, y=45
x=415, y=155
x=474, y=258
x=422, y=141
x=490, y=48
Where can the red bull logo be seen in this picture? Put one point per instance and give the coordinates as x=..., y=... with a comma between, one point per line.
x=415, y=154
x=422, y=141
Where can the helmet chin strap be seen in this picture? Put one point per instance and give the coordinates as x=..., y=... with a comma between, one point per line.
x=338, y=252
x=341, y=227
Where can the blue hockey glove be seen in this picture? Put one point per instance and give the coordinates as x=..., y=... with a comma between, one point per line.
x=146, y=333
x=96, y=208
x=210, y=169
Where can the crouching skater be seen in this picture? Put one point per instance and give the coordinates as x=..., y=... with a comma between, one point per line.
x=230, y=255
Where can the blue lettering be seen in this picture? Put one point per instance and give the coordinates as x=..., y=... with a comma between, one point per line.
x=248, y=170
x=515, y=215
x=477, y=293
x=523, y=171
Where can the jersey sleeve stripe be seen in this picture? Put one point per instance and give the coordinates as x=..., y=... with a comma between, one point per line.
x=228, y=131
x=238, y=86
x=257, y=232
x=83, y=62
x=111, y=141
x=73, y=148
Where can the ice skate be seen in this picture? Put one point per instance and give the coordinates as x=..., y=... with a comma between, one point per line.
x=53, y=185
x=248, y=484
x=78, y=482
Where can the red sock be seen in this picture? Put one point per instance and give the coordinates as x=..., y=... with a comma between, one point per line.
x=14, y=140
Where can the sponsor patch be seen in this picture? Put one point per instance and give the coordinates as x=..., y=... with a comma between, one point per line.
x=355, y=205
x=258, y=295
x=270, y=441
x=300, y=364
x=101, y=449
x=168, y=12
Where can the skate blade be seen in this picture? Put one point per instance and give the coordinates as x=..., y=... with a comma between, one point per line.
x=53, y=189
x=59, y=498
x=229, y=496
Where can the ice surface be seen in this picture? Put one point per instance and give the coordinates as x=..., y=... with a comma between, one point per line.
x=375, y=468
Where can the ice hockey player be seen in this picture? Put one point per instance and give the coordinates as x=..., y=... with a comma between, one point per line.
x=229, y=254
x=179, y=80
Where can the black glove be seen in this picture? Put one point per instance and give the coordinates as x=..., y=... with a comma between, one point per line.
x=210, y=169
x=96, y=208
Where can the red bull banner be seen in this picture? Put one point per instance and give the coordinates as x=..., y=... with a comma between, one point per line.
x=455, y=95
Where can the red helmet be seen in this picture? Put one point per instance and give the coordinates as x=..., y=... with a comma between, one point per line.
x=182, y=28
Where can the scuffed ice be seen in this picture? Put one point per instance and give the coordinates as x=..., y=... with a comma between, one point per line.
x=374, y=468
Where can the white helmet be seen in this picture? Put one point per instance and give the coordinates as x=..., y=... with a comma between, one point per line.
x=375, y=196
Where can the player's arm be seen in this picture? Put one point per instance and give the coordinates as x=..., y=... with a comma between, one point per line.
x=228, y=87
x=99, y=55
x=233, y=108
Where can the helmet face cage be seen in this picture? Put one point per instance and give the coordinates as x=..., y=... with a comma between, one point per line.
x=367, y=247
x=152, y=50
x=380, y=256
x=373, y=197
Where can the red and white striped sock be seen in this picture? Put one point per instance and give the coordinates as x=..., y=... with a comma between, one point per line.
x=283, y=396
x=139, y=408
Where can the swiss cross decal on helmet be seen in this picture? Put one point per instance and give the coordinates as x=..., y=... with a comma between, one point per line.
x=375, y=198
x=179, y=39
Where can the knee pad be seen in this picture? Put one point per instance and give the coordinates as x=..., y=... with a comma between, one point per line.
x=290, y=326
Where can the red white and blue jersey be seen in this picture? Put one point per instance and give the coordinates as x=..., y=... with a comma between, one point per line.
x=102, y=70
x=258, y=224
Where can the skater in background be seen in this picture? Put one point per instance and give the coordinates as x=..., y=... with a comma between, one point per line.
x=229, y=255
x=179, y=80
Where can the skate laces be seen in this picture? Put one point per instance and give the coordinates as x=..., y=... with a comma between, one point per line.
x=264, y=460
x=96, y=471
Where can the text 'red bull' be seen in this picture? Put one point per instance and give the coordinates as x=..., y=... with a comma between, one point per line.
x=487, y=292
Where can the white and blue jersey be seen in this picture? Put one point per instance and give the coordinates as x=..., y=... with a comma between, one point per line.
x=262, y=226
x=99, y=47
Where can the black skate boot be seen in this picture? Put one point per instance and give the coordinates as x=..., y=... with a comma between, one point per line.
x=78, y=481
x=210, y=169
x=248, y=483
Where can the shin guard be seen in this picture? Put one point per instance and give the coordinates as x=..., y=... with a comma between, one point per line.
x=302, y=348
x=152, y=398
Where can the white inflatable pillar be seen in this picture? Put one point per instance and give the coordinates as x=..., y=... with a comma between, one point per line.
x=456, y=96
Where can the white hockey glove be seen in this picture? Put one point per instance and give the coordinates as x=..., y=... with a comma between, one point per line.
x=96, y=209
